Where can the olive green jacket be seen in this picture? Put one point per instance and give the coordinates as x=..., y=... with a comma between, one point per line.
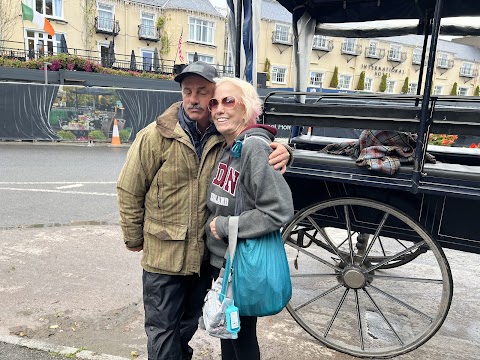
x=162, y=195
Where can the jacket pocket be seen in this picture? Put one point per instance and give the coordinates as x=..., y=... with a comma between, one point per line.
x=164, y=245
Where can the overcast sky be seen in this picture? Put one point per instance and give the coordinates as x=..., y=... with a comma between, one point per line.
x=219, y=3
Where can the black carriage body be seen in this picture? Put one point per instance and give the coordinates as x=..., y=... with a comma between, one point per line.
x=447, y=194
x=452, y=221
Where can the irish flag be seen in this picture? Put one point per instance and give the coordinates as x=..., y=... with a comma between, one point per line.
x=38, y=19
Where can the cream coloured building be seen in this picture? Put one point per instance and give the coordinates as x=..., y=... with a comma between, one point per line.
x=91, y=26
x=397, y=57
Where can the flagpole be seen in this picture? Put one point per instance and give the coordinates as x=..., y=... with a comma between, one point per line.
x=239, y=11
x=176, y=53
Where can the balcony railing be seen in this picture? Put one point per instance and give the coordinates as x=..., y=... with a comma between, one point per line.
x=397, y=56
x=375, y=53
x=351, y=50
x=468, y=72
x=445, y=63
x=15, y=50
x=105, y=25
x=325, y=45
x=279, y=37
x=147, y=32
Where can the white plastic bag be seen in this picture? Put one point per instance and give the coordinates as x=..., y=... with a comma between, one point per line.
x=213, y=317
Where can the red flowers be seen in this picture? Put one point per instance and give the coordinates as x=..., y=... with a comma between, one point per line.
x=442, y=139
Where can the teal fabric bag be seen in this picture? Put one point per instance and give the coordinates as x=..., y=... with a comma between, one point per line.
x=261, y=282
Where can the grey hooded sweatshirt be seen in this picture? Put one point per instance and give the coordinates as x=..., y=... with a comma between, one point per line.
x=267, y=198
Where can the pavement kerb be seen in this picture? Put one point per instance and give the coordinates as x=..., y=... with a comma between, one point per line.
x=62, y=350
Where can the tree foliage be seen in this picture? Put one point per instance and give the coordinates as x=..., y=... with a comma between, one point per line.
x=334, y=81
x=8, y=19
x=405, y=86
x=454, y=89
x=477, y=91
x=383, y=83
x=361, y=81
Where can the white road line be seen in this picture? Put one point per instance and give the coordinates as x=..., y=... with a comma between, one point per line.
x=69, y=186
x=59, y=191
x=54, y=182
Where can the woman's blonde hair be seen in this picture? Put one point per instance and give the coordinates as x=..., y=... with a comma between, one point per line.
x=250, y=99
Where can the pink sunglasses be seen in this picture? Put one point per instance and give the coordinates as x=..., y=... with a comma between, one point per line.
x=228, y=102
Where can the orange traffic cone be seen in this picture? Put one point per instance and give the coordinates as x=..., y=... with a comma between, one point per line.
x=115, y=134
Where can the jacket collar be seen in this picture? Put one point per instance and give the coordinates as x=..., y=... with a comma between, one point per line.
x=167, y=123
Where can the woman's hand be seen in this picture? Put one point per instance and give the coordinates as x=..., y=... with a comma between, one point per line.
x=213, y=229
x=279, y=157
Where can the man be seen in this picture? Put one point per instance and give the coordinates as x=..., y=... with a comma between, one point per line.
x=162, y=200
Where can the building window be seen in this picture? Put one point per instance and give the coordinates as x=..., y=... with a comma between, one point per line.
x=205, y=58
x=395, y=52
x=372, y=49
x=147, y=25
x=147, y=59
x=200, y=31
x=279, y=75
x=390, y=86
x=349, y=46
x=105, y=17
x=320, y=42
x=438, y=90
x=466, y=69
x=344, y=82
x=282, y=33
x=51, y=8
x=316, y=79
x=41, y=44
x=368, y=84
x=462, y=91
x=417, y=56
x=412, y=88
x=442, y=60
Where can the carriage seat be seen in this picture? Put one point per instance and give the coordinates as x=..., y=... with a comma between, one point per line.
x=444, y=154
x=438, y=177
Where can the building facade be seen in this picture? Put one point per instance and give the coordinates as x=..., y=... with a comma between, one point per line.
x=92, y=28
x=150, y=29
x=396, y=58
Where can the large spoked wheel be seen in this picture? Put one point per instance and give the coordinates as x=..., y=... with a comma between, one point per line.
x=367, y=279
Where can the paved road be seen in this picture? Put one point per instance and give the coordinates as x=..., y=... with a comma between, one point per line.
x=68, y=281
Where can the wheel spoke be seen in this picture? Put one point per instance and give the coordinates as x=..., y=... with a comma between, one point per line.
x=400, y=243
x=337, y=310
x=404, y=304
x=359, y=320
x=311, y=275
x=383, y=316
x=317, y=297
x=377, y=232
x=327, y=238
x=390, y=258
x=336, y=268
x=411, y=279
x=349, y=232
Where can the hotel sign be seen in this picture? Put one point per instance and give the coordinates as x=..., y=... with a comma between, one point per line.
x=379, y=70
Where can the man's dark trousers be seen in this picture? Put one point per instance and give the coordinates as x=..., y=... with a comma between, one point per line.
x=173, y=304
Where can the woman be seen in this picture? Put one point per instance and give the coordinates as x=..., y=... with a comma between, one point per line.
x=267, y=200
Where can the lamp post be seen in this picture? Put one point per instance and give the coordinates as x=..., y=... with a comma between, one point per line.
x=45, y=64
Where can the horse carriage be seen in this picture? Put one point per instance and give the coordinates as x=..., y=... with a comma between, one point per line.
x=369, y=275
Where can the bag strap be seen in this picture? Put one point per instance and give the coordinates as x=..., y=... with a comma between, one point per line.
x=232, y=246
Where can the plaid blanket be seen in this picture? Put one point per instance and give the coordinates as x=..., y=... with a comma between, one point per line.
x=380, y=150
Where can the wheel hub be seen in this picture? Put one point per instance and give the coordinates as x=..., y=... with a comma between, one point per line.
x=354, y=278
